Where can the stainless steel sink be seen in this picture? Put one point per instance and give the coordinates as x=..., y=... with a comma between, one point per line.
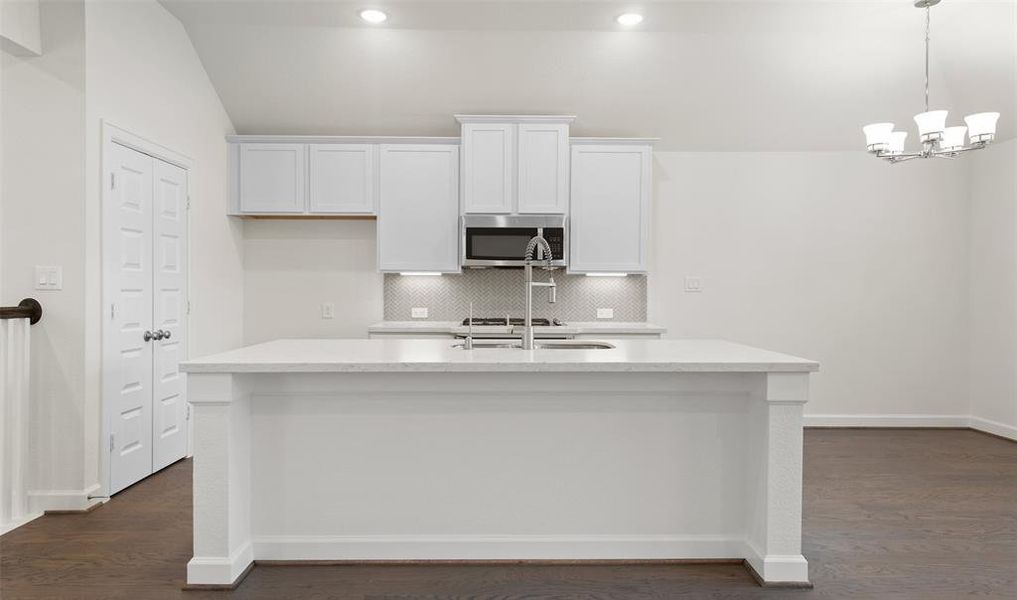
x=555, y=345
x=575, y=345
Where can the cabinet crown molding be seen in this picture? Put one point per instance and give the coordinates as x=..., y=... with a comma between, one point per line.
x=339, y=139
x=515, y=118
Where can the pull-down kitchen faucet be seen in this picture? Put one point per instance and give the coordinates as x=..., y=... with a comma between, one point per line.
x=552, y=295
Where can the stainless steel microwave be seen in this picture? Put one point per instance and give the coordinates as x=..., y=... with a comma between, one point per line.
x=500, y=240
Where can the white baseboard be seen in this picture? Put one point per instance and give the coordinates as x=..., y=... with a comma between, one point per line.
x=203, y=570
x=776, y=569
x=508, y=547
x=12, y=525
x=62, y=500
x=994, y=427
x=887, y=420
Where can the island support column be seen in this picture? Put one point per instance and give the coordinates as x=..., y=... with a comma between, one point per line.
x=222, y=481
x=775, y=534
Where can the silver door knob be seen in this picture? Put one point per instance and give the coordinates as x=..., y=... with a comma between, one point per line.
x=166, y=334
x=147, y=336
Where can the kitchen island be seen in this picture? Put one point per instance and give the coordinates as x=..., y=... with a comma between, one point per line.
x=410, y=450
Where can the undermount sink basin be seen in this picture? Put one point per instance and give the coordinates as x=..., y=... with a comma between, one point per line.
x=576, y=345
x=556, y=345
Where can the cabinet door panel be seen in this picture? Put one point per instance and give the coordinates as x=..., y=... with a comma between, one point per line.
x=610, y=208
x=488, y=167
x=272, y=178
x=418, y=212
x=543, y=168
x=342, y=178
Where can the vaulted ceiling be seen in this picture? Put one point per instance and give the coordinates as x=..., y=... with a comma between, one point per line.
x=719, y=76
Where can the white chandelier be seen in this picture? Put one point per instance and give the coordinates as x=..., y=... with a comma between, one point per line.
x=937, y=139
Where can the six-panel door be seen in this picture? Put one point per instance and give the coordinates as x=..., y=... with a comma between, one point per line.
x=145, y=301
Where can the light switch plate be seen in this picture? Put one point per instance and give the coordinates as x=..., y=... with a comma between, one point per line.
x=49, y=278
x=605, y=313
x=693, y=284
x=328, y=310
x=419, y=312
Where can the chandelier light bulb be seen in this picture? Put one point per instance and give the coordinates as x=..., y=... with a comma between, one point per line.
x=877, y=136
x=982, y=126
x=931, y=124
x=953, y=138
x=897, y=139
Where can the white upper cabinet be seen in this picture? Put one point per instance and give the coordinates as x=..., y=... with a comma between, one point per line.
x=543, y=168
x=610, y=216
x=272, y=178
x=342, y=178
x=418, y=210
x=515, y=164
x=488, y=176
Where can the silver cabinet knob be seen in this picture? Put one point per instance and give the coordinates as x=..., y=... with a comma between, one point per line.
x=148, y=337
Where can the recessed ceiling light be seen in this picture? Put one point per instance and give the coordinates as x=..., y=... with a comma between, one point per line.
x=373, y=16
x=630, y=19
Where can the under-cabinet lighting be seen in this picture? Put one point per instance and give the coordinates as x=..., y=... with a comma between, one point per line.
x=421, y=274
x=629, y=19
x=607, y=274
x=373, y=16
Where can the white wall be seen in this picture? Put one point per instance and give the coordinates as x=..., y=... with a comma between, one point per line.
x=834, y=256
x=144, y=76
x=993, y=294
x=42, y=197
x=292, y=267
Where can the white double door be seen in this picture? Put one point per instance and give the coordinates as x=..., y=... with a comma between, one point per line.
x=144, y=339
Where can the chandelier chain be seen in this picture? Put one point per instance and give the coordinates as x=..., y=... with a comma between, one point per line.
x=928, y=19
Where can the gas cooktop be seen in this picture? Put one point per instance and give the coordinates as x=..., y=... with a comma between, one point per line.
x=514, y=321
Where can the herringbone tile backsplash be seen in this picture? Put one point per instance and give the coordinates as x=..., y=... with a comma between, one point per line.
x=495, y=292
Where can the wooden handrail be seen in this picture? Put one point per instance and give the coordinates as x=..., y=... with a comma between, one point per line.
x=29, y=308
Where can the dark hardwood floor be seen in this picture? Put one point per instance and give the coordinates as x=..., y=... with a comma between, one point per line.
x=889, y=514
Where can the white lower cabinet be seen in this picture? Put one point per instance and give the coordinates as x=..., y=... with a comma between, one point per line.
x=418, y=210
x=610, y=208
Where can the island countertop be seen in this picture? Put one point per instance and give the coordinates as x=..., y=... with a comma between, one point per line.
x=399, y=355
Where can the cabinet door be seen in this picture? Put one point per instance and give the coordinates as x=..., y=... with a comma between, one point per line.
x=610, y=208
x=272, y=178
x=341, y=178
x=488, y=167
x=418, y=210
x=543, y=168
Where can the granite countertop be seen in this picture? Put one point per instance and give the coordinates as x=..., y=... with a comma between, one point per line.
x=398, y=355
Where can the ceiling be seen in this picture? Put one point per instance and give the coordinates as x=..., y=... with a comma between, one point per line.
x=717, y=76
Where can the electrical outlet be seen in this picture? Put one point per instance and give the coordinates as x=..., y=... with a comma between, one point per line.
x=605, y=313
x=419, y=312
x=328, y=310
x=693, y=284
x=49, y=278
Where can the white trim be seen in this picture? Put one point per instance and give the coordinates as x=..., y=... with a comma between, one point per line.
x=40, y=501
x=566, y=119
x=777, y=568
x=112, y=134
x=870, y=420
x=339, y=139
x=12, y=525
x=203, y=570
x=498, y=547
x=993, y=427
